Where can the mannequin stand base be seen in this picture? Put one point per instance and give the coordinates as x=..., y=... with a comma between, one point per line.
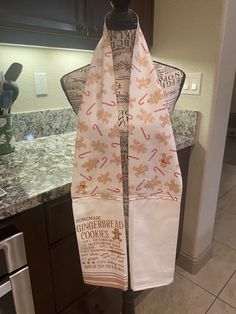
x=128, y=302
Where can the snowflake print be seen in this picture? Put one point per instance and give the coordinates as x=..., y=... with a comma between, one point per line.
x=173, y=186
x=115, y=159
x=82, y=126
x=165, y=160
x=140, y=170
x=138, y=147
x=145, y=116
x=114, y=132
x=80, y=143
x=90, y=165
x=104, y=178
x=143, y=83
x=99, y=146
x=162, y=138
x=165, y=120
x=82, y=187
x=153, y=183
x=154, y=98
x=92, y=79
x=103, y=115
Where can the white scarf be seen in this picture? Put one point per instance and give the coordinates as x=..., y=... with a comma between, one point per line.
x=154, y=177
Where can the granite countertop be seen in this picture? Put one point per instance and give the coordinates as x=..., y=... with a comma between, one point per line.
x=40, y=170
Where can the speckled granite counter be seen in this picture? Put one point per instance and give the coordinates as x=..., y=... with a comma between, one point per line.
x=40, y=170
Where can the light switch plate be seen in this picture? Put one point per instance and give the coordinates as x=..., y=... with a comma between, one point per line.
x=41, y=85
x=193, y=85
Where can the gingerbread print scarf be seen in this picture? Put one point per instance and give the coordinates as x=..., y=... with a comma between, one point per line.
x=154, y=179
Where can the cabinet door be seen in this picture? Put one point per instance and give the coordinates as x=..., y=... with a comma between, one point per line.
x=63, y=23
x=99, y=301
x=66, y=272
x=54, y=14
x=59, y=218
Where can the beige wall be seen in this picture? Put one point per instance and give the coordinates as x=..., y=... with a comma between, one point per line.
x=55, y=62
x=233, y=101
x=187, y=35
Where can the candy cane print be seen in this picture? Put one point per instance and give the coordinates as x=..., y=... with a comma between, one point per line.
x=114, y=145
x=81, y=156
x=174, y=199
x=139, y=187
x=133, y=66
x=161, y=109
x=177, y=174
x=141, y=102
x=89, y=111
x=153, y=70
x=86, y=93
x=132, y=157
x=156, y=169
x=154, y=152
x=87, y=178
x=104, y=161
x=116, y=190
x=130, y=117
x=94, y=191
x=159, y=191
x=146, y=136
x=108, y=53
x=95, y=127
x=147, y=51
x=111, y=104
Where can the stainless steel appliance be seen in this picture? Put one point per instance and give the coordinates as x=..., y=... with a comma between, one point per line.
x=15, y=287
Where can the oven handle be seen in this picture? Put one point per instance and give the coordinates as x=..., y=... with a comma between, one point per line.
x=5, y=288
x=14, y=251
x=22, y=293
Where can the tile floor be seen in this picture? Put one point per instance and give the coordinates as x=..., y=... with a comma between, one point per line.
x=213, y=289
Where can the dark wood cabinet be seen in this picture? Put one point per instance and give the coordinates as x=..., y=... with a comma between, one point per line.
x=63, y=23
x=66, y=273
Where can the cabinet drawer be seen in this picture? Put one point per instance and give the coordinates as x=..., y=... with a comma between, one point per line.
x=66, y=272
x=59, y=218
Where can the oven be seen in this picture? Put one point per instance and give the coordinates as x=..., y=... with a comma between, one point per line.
x=15, y=287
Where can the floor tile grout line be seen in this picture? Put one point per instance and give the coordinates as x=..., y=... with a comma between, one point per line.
x=214, y=295
x=227, y=303
x=229, y=247
x=196, y=284
x=226, y=283
x=210, y=306
x=228, y=212
x=223, y=195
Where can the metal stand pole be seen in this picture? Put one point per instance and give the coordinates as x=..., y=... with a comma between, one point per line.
x=128, y=306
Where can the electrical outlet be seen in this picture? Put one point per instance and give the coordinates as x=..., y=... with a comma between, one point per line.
x=41, y=85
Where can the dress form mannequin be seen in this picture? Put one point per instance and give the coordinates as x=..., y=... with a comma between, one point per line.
x=122, y=48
